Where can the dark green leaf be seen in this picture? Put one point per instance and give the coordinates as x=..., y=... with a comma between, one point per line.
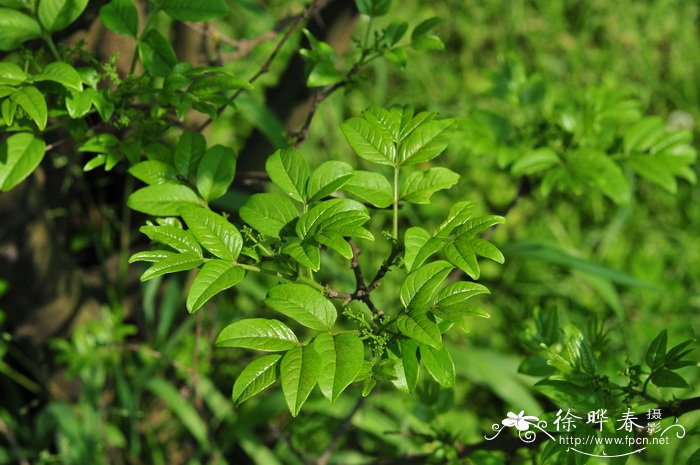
x=214, y=277
x=424, y=27
x=299, y=370
x=16, y=28
x=474, y=226
x=101, y=143
x=268, y=213
x=215, y=84
x=162, y=199
x=303, y=304
x=457, y=293
x=258, y=334
x=656, y=353
x=215, y=233
x=336, y=242
x=668, y=378
x=156, y=53
x=195, y=10
x=343, y=216
x=20, y=154
x=459, y=214
x=121, y=16
x=255, y=377
x=56, y=15
x=341, y=360
x=395, y=31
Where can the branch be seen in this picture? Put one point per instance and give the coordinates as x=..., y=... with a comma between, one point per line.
x=310, y=10
x=513, y=443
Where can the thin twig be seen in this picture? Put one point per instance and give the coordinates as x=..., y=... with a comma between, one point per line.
x=292, y=28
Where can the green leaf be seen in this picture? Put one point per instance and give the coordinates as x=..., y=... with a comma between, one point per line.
x=457, y=293
x=214, y=232
x=55, y=15
x=458, y=215
x=101, y=143
x=336, y=242
x=216, y=171
x=598, y=169
x=11, y=74
x=305, y=254
x=178, y=262
x=426, y=142
x=419, y=245
x=178, y=239
x=9, y=109
x=153, y=172
x=342, y=216
x=419, y=286
x=62, y=73
x=258, y=334
x=394, y=32
x=370, y=142
x=162, y=199
x=214, y=277
x=33, y=103
x=302, y=304
x=20, y=154
x=16, y=28
x=195, y=10
x=188, y=153
x=667, y=378
x=462, y=253
x=121, y=16
x=656, y=353
x=439, y=364
x=474, y=226
x=327, y=178
x=268, y=213
x=410, y=363
x=156, y=53
x=535, y=161
x=425, y=26
x=299, y=371
x=289, y=171
x=419, y=186
x=341, y=361
x=152, y=256
x=216, y=84
x=655, y=169
x=694, y=459
x=373, y=7
x=79, y=104
x=373, y=188
x=418, y=327
x=255, y=377
x=428, y=42
x=182, y=409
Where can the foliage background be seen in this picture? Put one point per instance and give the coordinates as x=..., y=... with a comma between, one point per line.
x=141, y=355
